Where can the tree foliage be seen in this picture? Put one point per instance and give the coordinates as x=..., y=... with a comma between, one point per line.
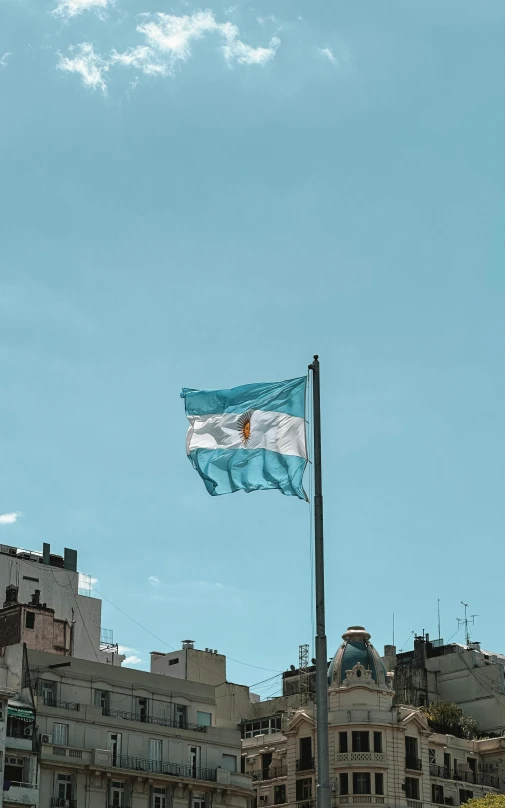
x=448, y=718
x=488, y=801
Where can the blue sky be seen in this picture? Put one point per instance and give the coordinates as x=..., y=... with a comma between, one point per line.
x=205, y=196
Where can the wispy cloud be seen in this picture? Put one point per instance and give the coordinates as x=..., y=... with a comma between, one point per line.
x=169, y=40
x=133, y=660
x=3, y=60
x=86, y=63
x=328, y=54
x=71, y=8
x=194, y=592
x=86, y=582
x=9, y=518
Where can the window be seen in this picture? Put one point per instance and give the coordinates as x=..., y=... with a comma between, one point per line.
x=60, y=734
x=377, y=742
x=159, y=797
x=432, y=756
x=29, y=578
x=198, y=802
x=447, y=764
x=280, y=794
x=14, y=767
x=154, y=753
x=117, y=794
x=181, y=715
x=473, y=766
x=230, y=763
x=30, y=619
x=174, y=661
x=342, y=742
x=115, y=747
x=49, y=692
x=344, y=783
x=304, y=789
x=194, y=758
x=437, y=794
x=63, y=786
x=203, y=719
x=305, y=762
x=142, y=709
x=379, y=783
x=361, y=783
x=102, y=699
x=264, y=727
x=360, y=742
x=411, y=756
x=465, y=795
x=412, y=788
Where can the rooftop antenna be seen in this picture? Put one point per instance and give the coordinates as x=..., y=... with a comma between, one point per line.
x=393, y=628
x=466, y=621
x=439, y=635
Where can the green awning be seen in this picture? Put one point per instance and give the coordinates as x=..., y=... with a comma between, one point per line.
x=23, y=715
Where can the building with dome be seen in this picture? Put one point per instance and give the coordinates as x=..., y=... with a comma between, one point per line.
x=381, y=753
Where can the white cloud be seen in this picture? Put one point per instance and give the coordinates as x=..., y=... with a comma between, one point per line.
x=143, y=58
x=154, y=580
x=88, y=64
x=132, y=660
x=71, y=8
x=173, y=36
x=328, y=54
x=86, y=582
x=3, y=60
x=124, y=649
x=9, y=518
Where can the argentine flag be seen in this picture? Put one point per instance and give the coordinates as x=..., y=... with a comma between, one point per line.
x=248, y=438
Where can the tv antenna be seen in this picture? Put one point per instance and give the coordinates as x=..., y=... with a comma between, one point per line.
x=466, y=621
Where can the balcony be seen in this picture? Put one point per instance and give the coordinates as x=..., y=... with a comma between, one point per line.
x=305, y=764
x=20, y=738
x=22, y=793
x=414, y=764
x=149, y=719
x=61, y=802
x=269, y=774
x=156, y=767
x=61, y=705
x=345, y=758
x=488, y=780
x=414, y=803
x=359, y=799
x=306, y=804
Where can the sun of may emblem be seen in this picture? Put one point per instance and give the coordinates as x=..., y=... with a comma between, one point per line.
x=244, y=427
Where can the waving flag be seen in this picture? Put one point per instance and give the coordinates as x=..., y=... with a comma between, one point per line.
x=248, y=438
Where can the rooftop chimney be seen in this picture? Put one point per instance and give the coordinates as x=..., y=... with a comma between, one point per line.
x=11, y=595
x=36, y=598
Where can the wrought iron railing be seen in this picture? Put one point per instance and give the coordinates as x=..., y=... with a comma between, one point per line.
x=305, y=764
x=150, y=719
x=156, y=767
x=61, y=705
x=61, y=802
x=465, y=776
x=269, y=774
x=413, y=763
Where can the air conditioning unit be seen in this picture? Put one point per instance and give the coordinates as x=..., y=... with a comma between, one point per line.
x=46, y=738
x=28, y=732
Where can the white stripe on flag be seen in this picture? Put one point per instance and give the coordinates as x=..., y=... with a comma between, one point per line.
x=274, y=431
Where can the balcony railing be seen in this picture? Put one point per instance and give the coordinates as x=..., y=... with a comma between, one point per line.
x=17, y=784
x=356, y=799
x=305, y=764
x=306, y=803
x=61, y=802
x=413, y=763
x=61, y=705
x=155, y=766
x=464, y=776
x=269, y=774
x=149, y=719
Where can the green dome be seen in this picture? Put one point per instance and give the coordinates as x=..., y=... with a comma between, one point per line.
x=356, y=649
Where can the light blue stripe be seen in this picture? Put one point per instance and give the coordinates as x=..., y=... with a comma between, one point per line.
x=287, y=397
x=226, y=471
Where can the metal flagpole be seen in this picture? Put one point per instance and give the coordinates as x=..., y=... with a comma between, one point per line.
x=323, y=760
